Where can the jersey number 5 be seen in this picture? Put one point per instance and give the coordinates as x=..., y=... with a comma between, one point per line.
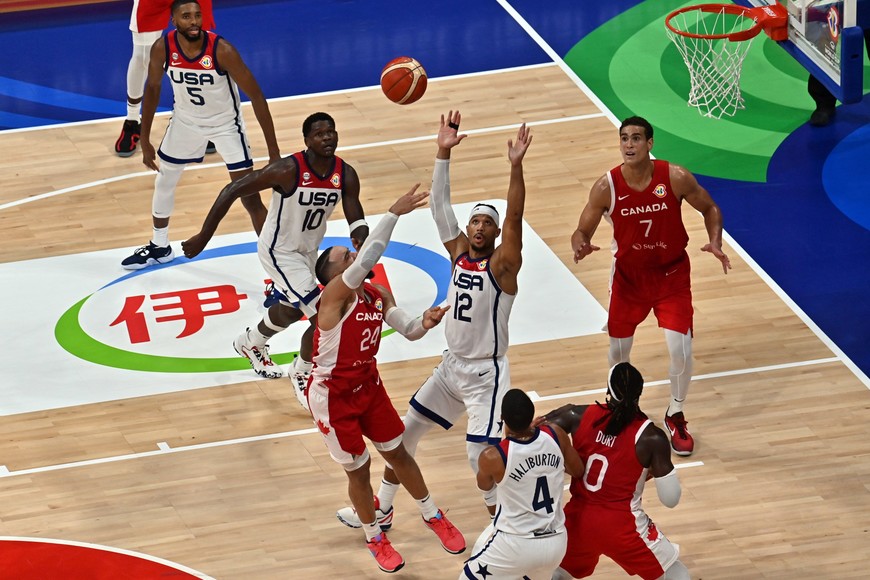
x=195, y=97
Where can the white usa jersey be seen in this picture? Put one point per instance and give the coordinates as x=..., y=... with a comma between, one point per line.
x=529, y=496
x=202, y=92
x=296, y=222
x=477, y=326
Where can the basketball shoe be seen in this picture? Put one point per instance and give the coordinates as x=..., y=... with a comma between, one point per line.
x=299, y=380
x=257, y=356
x=126, y=143
x=348, y=517
x=681, y=440
x=273, y=295
x=450, y=537
x=148, y=255
x=388, y=559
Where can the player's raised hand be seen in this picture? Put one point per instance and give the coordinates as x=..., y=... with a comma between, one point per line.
x=517, y=149
x=448, y=133
x=720, y=255
x=410, y=201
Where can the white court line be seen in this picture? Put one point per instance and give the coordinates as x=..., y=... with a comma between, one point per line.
x=534, y=396
x=163, y=447
x=199, y=166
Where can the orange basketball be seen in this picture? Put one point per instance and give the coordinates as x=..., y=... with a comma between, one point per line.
x=404, y=80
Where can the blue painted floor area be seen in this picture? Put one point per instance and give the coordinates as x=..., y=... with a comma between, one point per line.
x=67, y=65
x=814, y=171
x=292, y=47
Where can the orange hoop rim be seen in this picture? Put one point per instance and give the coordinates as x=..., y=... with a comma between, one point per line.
x=754, y=14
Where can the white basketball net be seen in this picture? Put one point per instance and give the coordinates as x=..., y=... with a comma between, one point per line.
x=714, y=64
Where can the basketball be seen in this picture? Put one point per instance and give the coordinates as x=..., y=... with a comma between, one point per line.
x=404, y=80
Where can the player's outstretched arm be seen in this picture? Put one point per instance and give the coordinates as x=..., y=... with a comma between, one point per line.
x=590, y=217
x=453, y=238
x=275, y=175
x=688, y=188
x=508, y=257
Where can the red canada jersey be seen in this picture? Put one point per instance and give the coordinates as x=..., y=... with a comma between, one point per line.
x=648, y=228
x=613, y=477
x=344, y=356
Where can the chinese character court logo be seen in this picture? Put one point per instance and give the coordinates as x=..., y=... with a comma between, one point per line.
x=172, y=317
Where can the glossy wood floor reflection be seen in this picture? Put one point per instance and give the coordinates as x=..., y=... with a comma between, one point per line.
x=783, y=488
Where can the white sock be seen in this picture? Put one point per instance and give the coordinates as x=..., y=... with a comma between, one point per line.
x=386, y=494
x=371, y=530
x=132, y=112
x=676, y=406
x=303, y=366
x=160, y=236
x=257, y=338
x=427, y=507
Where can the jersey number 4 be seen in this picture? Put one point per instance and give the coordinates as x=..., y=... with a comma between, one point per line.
x=542, y=500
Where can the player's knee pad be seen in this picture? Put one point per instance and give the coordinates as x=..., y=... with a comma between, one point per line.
x=137, y=70
x=271, y=324
x=620, y=350
x=358, y=462
x=474, y=449
x=680, y=351
x=163, y=200
x=415, y=427
x=677, y=571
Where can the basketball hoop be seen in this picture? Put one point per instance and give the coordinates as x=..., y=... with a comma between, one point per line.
x=713, y=40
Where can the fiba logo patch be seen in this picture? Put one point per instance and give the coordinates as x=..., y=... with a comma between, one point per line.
x=834, y=23
x=379, y=305
x=336, y=180
x=660, y=190
x=206, y=62
x=306, y=176
x=482, y=264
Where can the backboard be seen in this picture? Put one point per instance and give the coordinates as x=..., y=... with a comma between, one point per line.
x=827, y=38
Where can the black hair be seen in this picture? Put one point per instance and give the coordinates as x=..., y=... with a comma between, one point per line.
x=314, y=118
x=624, y=387
x=517, y=410
x=638, y=122
x=321, y=267
x=177, y=3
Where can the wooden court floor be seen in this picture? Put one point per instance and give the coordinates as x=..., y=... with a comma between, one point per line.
x=779, y=485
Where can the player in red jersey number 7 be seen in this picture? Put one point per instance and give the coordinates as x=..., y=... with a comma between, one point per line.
x=346, y=396
x=642, y=199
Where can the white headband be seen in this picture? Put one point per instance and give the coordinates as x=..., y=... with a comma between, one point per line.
x=483, y=209
x=610, y=386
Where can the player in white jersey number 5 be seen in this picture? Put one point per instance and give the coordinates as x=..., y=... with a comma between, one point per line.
x=206, y=73
x=473, y=374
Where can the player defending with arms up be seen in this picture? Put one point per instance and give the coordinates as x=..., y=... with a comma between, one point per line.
x=473, y=375
x=642, y=199
x=346, y=395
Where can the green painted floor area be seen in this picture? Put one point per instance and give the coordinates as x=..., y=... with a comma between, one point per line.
x=633, y=67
